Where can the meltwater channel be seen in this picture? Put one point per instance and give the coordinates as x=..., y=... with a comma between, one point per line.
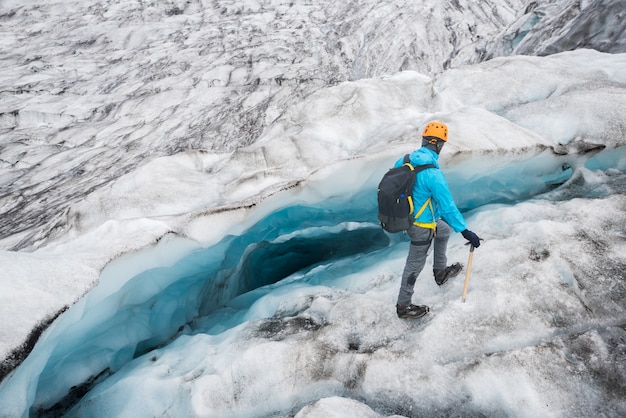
x=100, y=335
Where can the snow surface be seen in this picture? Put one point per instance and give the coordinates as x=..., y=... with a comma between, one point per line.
x=177, y=321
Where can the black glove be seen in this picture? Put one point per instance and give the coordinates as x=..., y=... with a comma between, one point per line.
x=471, y=237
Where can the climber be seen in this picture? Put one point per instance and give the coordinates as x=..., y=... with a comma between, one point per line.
x=435, y=213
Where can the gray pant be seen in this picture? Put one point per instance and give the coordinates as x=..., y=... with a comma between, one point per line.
x=421, y=238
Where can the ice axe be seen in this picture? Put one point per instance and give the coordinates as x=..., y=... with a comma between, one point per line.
x=467, y=272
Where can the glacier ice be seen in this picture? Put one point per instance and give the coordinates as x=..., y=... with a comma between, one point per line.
x=294, y=267
x=221, y=134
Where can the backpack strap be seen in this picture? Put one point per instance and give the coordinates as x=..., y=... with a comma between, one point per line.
x=407, y=162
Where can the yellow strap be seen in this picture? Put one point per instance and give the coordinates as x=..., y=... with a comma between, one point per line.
x=410, y=199
x=429, y=225
x=426, y=203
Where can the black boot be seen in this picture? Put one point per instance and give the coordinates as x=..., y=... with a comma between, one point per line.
x=411, y=311
x=442, y=276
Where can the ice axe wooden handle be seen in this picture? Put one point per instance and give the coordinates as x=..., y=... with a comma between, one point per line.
x=468, y=271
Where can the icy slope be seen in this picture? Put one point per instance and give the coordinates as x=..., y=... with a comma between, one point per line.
x=547, y=290
x=542, y=334
x=192, y=126
x=549, y=27
x=92, y=90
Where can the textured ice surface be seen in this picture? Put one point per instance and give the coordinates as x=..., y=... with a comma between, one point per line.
x=241, y=143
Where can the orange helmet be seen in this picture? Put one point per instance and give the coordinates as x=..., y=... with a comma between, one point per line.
x=436, y=129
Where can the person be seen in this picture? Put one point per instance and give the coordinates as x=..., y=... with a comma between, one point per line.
x=435, y=214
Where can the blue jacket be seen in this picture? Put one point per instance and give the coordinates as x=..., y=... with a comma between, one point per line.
x=432, y=183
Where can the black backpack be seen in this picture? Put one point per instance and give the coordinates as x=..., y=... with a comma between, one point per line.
x=395, y=196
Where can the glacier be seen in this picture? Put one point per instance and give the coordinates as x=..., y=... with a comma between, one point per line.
x=202, y=276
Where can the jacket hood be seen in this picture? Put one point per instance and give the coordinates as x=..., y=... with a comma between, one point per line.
x=423, y=156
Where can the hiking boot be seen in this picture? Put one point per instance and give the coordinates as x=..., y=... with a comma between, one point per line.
x=411, y=311
x=442, y=276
